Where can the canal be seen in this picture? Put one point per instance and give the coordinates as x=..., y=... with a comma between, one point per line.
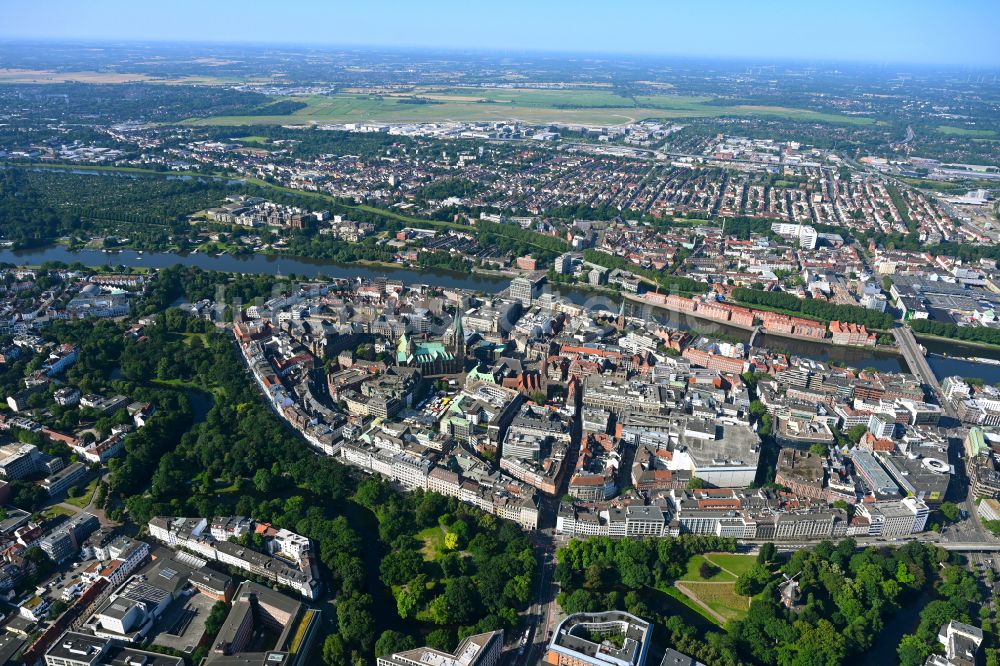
x=945, y=358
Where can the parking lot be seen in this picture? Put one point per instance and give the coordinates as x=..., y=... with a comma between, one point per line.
x=67, y=578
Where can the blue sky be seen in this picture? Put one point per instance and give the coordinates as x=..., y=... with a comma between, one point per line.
x=965, y=32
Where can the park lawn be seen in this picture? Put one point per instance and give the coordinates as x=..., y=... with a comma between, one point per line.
x=692, y=574
x=735, y=564
x=56, y=511
x=721, y=598
x=88, y=491
x=964, y=131
x=188, y=337
x=184, y=385
x=432, y=539
x=233, y=487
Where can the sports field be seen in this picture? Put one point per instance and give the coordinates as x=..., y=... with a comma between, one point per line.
x=579, y=105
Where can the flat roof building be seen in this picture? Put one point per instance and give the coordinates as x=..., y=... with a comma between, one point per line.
x=477, y=650
x=260, y=611
x=79, y=649
x=611, y=638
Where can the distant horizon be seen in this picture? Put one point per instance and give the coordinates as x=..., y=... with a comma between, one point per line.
x=914, y=32
x=754, y=61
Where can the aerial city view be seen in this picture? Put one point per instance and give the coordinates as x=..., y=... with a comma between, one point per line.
x=499, y=334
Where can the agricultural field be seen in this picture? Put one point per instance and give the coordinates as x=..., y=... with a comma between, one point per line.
x=14, y=75
x=715, y=597
x=583, y=105
x=720, y=598
x=965, y=131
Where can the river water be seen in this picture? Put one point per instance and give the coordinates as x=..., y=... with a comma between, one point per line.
x=945, y=359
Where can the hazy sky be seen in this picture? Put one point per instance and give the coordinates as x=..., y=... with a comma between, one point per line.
x=914, y=31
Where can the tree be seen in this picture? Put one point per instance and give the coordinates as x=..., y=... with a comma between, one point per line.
x=950, y=511
x=216, y=617
x=400, y=566
x=458, y=604
x=696, y=483
x=442, y=639
x=392, y=641
x=58, y=608
x=452, y=565
x=371, y=493
x=579, y=601
x=263, y=480
x=357, y=624
x=334, y=652
x=707, y=569
x=752, y=581
x=912, y=651
x=27, y=495
x=820, y=644
x=411, y=596
x=856, y=433
x=767, y=553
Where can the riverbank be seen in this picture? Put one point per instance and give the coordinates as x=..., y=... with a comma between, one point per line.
x=892, y=349
x=952, y=341
x=883, y=359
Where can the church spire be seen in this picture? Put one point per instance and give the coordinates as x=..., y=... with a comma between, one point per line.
x=404, y=350
x=459, y=332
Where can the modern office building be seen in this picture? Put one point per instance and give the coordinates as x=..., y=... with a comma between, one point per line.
x=258, y=611
x=79, y=649
x=524, y=290
x=611, y=638
x=477, y=650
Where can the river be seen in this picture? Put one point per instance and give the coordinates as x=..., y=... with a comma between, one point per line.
x=943, y=366
x=902, y=622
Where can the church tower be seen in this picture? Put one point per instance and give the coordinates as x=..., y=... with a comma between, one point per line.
x=459, y=332
x=404, y=349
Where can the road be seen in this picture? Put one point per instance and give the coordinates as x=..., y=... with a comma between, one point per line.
x=540, y=614
x=918, y=365
x=910, y=135
x=544, y=614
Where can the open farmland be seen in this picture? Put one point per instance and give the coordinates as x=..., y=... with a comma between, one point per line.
x=587, y=106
